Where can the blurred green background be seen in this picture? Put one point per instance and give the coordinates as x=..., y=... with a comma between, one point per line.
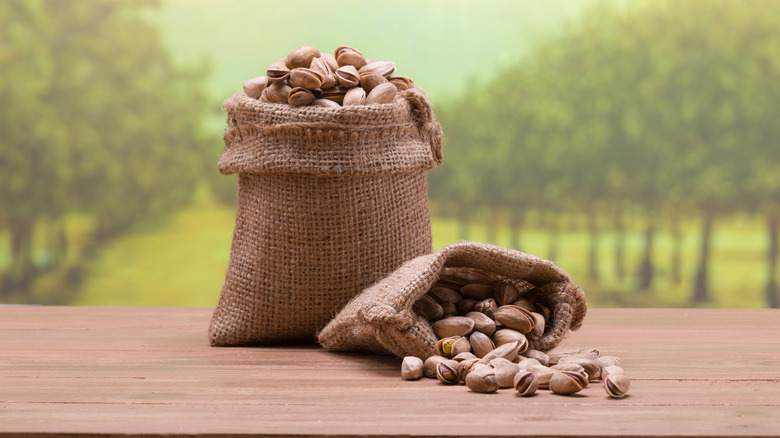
x=634, y=143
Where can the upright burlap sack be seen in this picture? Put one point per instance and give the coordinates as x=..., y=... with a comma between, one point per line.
x=329, y=202
x=381, y=319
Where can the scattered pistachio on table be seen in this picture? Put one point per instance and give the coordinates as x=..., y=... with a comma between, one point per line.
x=483, y=328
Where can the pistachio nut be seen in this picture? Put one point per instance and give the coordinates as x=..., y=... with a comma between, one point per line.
x=254, y=87
x=325, y=103
x=279, y=92
x=330, y=60
x=505, y=336
x=300, y=96
x=401, y=82
x=384, y=68
x=428, y=308
x=341, y=49
x=569, y=366
x=527, y=362
x=411, y=368
x=301, y=57
x=515, y=317
x=466, y=365
x=466, y=305
x=444, y=346
x=453, y=326
x=369, y=81
x=505, y=371
x=335, y=94
x=477, y=291
x=611, y=369
x=525, y=383
x=591, y=368
x=347, y=76
x=447, y=372
x=351, y=57
x=617, y=385
x=466, y=355
x=461, y=345
x=567, y=382
x=357, y=96
x=556, y=355
x=429, y=366
x=481, y=344
x=487, y=306
x=544, y=310
x=444, y=294
x=328, y=77
x=482, y=378
x=482, y=323
x=543, y=375
x=506, y=293
x=449, y=309
x=277, y=72
x=381, y=94
x=538, y=330
x=468, y=276
x=266, y=96
x=540, y=356
x=508, y=351
x=525, y=304
x=606, y=361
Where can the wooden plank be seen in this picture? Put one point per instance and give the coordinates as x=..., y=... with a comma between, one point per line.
x=150, y=372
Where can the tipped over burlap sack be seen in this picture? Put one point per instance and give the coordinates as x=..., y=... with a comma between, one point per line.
x=329, y=202
x=381, y=320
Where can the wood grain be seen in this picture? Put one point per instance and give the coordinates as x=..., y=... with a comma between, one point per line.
x=150, y=372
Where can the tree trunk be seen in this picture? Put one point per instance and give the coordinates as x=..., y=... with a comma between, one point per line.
x=701, y=291
x=593, y=242
x=620, y=246
x=772, y=299
x=515, y=226
x=676, y=268
x=646, y=270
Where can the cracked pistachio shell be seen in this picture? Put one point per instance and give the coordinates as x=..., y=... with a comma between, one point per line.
x=330, y=60
x=543, y=373
x=482, y=323
x=444, y=346
x=444, y=294
x=350, y=57
x=516, y=318
x=401, y=82
x=328, y=77
x=466, y=365
x=525, y=304
x=468, y=276
x=525, y=383
x=477, y=291
x=300, y=97
x=279, y=92
x=567, y=382
x=556, y=355
x=325, y=103
x=482, y=378
x=467, y=355
x=369, y=81
x=481, y=344
x=506, y=336
x=411, y=368
x=428, y=308
x=505, y=371
x=540, y=356
x=254, y=87
x=347, y=76
x=381, y=94
x=447, y=372
x=266, y=96
x=341, y=49
x=611, y=369
x=506, y=293
x=301, y=57
x=357, y=96
x=277, y=72
x=384, y=68
x=508, y=351
x=487, y=306
x=617, y=385
x=591, y=368
x=429, y=366
x=453, y=326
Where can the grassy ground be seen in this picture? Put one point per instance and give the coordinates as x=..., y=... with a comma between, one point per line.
x=182, y=261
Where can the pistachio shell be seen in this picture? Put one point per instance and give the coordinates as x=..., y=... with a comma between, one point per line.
x=447, y=372
x=466, y=305
x=381, y=94
x=301, y=57
x=429, y=366
x=444, y=346
x=481, y=344
x=461, y=345
x=617, y=385
x=254, y=87
x=351, y=57
x=330, y=60
x=428, y=308
x=606, y=361
x=506, y=293
x=540, y=356
x=482, y=378
x=611, y=369
x=444, y=294
x=304, y=78
x=538, y=330
x=567, y=383
x=341, y=49
x=347, y=76
x=411, y=368
x=300, y=97
x=369, y=81
x=525, y=304
x=487, y=306
x=335, y=94
x=504, y=336
x=467, y=276
x=591, y=368
x=279, y=92
x=453, y=326
x=448, y=308
x=515, y=317
x=482, y=323
x=401, y=82
x=467, y=365
x=507, y=351
x=384, y=68
x=266, y=96
x=325, y=103
x=357, y=96
x=505, y=371
x=277, y=72
x=525, y=383
x=477, y=291
x=460, y=357
x=328, y=77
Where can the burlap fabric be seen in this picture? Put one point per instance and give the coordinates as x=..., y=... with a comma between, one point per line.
x=329, y=202
x=381, y=319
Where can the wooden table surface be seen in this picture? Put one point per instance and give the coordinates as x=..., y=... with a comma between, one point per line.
x=150, y=372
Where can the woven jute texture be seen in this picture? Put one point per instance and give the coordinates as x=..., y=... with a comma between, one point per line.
x=381, y=319
x=329, y=202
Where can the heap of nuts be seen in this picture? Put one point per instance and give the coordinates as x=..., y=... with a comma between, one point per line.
x=483, y=327
x=345, y=78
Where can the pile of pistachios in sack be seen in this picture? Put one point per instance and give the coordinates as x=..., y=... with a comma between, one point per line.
x=344, y=78
x=484, y=329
